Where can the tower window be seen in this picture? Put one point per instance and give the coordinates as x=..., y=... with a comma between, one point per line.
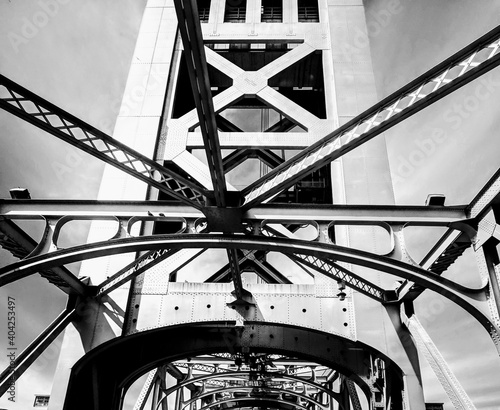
x=41, y=401
x=236, y=11
x=203, y=10
x=272, y=11
x=308, y=11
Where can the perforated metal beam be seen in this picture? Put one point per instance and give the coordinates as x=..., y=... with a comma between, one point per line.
x=37, y=111
x=192, y=40
x=335, y=271
x=457, y=293
x=471, y=62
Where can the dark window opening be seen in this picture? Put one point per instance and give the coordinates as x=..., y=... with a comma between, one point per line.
x=250, y=56
x=203, y=10
x=41, y=401
x=308, y=11
x=315, y=188
x=183, y=98
x=303, y=83
x=272, y=11
x=236, y=11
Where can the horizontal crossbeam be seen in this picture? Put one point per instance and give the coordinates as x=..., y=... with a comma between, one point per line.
x=463, y=67
x=41, y=113
x=457, y=293
x=414, y=215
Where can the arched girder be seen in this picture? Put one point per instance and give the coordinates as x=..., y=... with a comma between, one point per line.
x=460, y=295
x=105, y=373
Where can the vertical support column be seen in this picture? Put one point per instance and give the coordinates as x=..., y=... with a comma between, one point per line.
x=488, y=262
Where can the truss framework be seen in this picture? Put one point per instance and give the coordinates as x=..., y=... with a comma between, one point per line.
x=471, y=225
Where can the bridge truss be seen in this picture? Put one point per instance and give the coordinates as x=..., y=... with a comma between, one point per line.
x=222, y=342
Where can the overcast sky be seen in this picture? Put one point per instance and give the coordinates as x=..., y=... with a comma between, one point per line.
x=78, y=58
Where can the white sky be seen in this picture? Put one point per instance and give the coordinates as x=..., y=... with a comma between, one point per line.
x=78, y=58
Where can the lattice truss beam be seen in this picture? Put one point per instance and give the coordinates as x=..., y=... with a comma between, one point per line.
x=466, y=225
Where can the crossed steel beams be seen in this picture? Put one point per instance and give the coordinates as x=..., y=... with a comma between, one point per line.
x=52, y=119
x=463, y=67
x=469, y=63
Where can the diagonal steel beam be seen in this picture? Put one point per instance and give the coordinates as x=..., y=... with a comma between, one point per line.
x=133, y=269
x=335, y=271
x=453, y=243
x=268, y=157
x=471, y=62
x=20, y=244
x=256, y=260
x=456, y=393
x=226, y=125
x=21, y=362
x=37, y=111
x=192, y=40
x=234, y=265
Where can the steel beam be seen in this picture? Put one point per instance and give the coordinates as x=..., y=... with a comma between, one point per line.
x=239, y=291
x=146, y=390
x=335, y=271
x=39, y=112
x=414, y=215
x=21, y=362
x=447, y=250
x=255, y=260
x=487, y=196
x=469, y=63
x=133, y=269
x=226, y=125
x=234, y=159
x=20, y=244
x=194, y=52
x=457, y=293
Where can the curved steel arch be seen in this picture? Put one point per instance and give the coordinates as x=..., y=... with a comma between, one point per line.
x=103, y=375
x=455, y=292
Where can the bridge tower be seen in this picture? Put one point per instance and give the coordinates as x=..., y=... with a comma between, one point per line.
x=245, y=248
